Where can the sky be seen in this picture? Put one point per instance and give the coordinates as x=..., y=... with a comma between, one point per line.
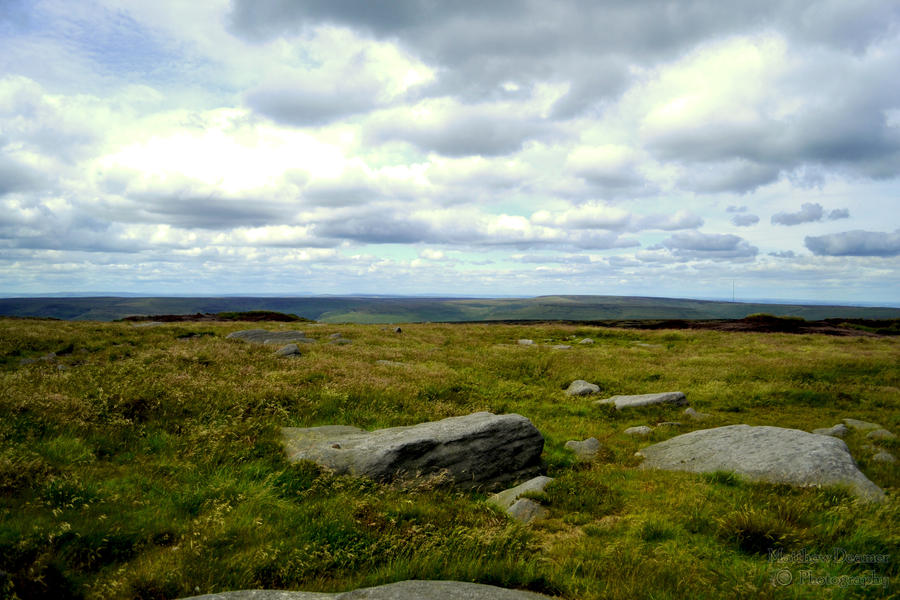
x=510, y=147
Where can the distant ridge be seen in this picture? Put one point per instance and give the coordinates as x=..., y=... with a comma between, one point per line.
x=381, y=309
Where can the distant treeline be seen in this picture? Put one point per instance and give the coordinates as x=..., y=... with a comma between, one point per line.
x=409, y=310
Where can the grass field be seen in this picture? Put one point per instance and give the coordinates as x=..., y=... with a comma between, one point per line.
x=143, y=462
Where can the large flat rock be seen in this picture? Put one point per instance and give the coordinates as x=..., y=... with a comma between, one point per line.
x=675, y=398
x=772, y=454
x=402, y=590
x=476, y=450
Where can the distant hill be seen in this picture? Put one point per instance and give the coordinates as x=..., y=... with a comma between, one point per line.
x=359, y=309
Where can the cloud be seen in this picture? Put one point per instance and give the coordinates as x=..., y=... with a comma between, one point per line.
x=736, y=209
x=783, y=254
x=457, y=130
x=838, y=213
x=15, y=176
x=855, y=243
x=697, y=245
x=808, y=213
x=744, y=220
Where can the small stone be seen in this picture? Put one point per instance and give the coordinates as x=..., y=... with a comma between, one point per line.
x=838, y=431
x=884, y=457
x=340, y=341
x=580, y=387
x=880, y=434
x=335, y=336
x=289, y=350
x=526, y=510
x=27, y=361
x=586, y=341
x=524, y=342
x=673, y=424
x=695, y=415
x=397, y=330
x=858, y=425
x=507, y=498
x=676, y=398
x=561, y=347
x=49, y=357
x=62, y=368
x=585, y=450
x=639, y=431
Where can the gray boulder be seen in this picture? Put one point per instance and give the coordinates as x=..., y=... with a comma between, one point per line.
x=580, y=387
x=639, y=431
x=696, y=415
x=586, y=341
x=585, y=450
x=561, y=347
x=289, y=350
x=524, y=342
x=261, y=336
x=675, y=398
x=401, y=590
x=884, y=457
x=839, y=430
x=476, y=450
x=526, y=510
x=858, y=425
x=880, y=434
x=772, y=454
x=521, y=509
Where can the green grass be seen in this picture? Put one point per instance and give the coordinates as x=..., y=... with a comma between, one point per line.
x=149, y=467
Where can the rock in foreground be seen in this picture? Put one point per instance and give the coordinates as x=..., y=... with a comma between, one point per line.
x=402, y=590
x=772, y=454
x=580, y=387
x=676, y=398
x=480, y=449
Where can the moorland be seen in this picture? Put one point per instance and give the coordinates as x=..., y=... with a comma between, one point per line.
x=143, y=461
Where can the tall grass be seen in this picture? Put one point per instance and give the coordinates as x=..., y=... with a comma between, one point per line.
x=148, y=466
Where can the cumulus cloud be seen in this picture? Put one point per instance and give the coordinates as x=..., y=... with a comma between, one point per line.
x=855, y=243
x=736, y=209
x=694, y=244
x=744, y=220
x=808, y=213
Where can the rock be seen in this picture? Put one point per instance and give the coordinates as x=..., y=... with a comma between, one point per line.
x=585, y=450
x=580, y=387
x=646, y=345
x=335, y=336
x=676, y=398
x=289, y=350
x=401, y=590
x=526, y=510
x=27, y=361
x=524, y=342
x=672, y=424
x=772, y=454
x=62, y=368
x=261, y=336
x=884, y=457
x=839, y=430
x=507, y=498
x=340, y=341
x=49, y=357
x=695, y=415
x=561, y=347
x=390, y=363
x=397, y=330
x=880, y=434
x=480, y=449
x=586, y=341
x=858, y=425
x=639, y=431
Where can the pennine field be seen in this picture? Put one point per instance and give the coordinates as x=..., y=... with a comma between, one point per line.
x=144, y=462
